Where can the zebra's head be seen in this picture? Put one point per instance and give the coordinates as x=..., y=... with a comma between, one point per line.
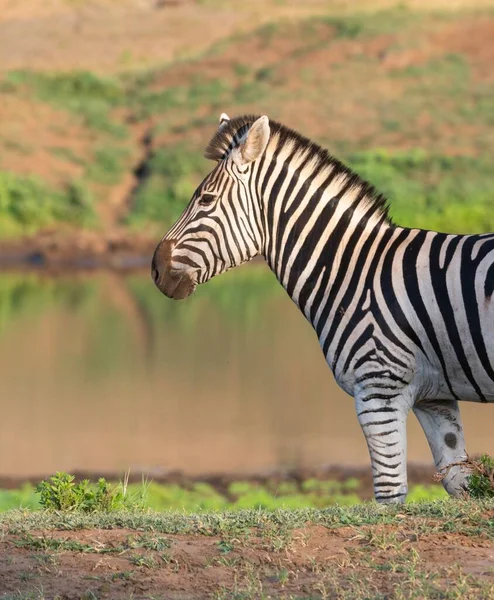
x=221, y=226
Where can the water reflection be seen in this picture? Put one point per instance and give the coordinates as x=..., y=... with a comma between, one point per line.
x=103, y=373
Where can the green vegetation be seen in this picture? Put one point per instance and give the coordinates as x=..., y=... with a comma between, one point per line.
x=27, y=204
x=109, y=164
x=82, y=93
x=175, y=175
x=452, y=194
x=435, y=126
x=452, y=515
x=481, y=483
x=61, y=493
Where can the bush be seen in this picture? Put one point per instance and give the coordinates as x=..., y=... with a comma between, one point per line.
x=450, y=194
x=174, y=176
x=90, y=96
x=59, y=492
x=481, y=483
x=27, y=204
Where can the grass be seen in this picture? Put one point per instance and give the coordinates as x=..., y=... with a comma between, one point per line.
x=368, y=551
x=87, y=95
x=28, y=204
x=452, y=194
x=174, y=176
x=441, y=108
x=198, y=496
x=109, y=164
x=462, y=517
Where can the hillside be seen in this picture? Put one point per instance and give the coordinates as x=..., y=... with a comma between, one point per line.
x=99, y=151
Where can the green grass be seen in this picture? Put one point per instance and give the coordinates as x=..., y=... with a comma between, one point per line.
x=440, y=105
x=85, y=94
x=175, y=173
x=464, y=517
x=198, y=496
x=451, y=194
x=108, y=165
x=28, y=204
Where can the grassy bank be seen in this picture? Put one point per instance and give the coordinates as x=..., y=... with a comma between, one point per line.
x=399, y=95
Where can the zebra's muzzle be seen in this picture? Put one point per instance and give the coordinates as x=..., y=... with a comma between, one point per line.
x=174, y=283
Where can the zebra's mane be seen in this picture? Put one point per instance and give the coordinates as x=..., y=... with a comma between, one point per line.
x=229, y=135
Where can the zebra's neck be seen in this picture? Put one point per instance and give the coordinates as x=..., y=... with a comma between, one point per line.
x=316, y=216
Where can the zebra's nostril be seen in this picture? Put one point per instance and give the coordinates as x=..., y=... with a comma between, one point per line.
x=156, y=275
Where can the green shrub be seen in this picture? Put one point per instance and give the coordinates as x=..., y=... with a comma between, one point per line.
x=81, y=92
x=27, y=204
x=108, y=165
x=450, y=194
x=481, y=482
x=59, y=492
x=175, y=174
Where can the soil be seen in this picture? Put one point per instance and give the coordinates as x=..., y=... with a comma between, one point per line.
x=314, y=562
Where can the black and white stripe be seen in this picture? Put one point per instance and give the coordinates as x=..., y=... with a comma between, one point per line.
x=405, y=317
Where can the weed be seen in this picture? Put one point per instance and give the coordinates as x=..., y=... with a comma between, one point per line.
x=79, y=92
x=241, y=69
x=27, y=204
x=225, y=547
x=47, y=543
x=108, y=165
x=125, y=575
x=481, y=482
x=59, y=492
x=141, y=560
x=149, y=542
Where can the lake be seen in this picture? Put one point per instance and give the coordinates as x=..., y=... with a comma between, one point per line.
x=100, y=372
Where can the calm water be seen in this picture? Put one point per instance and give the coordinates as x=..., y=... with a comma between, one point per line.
x=103, y=373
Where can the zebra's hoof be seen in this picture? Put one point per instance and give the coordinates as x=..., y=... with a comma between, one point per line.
x=455, y=482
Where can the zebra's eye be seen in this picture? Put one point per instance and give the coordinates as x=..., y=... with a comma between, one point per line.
x=206, y=199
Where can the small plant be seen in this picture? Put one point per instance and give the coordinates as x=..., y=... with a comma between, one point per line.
x=140, y=560
x=225, y=547
x=481, y=483
x=59, y=492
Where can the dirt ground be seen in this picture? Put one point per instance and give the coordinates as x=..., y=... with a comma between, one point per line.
x=401, y=560
x=105, y=35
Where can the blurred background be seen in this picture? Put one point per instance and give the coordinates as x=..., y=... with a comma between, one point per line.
x=105, y=108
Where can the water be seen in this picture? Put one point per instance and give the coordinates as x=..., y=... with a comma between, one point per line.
x=103, y=373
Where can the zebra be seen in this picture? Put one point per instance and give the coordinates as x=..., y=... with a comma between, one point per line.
x=404, y=317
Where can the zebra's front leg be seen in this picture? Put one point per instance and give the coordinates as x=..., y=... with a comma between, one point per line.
x=383, y=421
x=442, y=426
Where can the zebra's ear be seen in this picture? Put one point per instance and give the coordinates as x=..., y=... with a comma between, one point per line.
x=224, y=118
x=255, y=141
